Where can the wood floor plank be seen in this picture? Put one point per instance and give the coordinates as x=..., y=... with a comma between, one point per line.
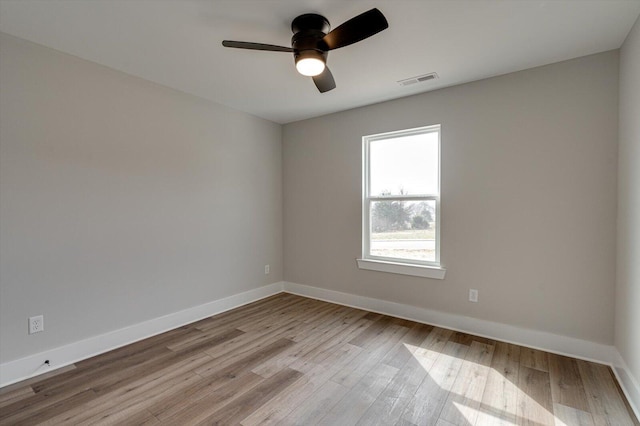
x=635, y=419
x=145, y=387
x=346, y=314
x=382, y=343
x=432, y=346
x=52, y=407
x=236, y=410
x=566, y=383
x=120, y=405
x=85, y=375
x=308, y=350
x=288, y=360
x=569, y=416
x=124, y=419
x=433, y=392
x=192, y=411
x=336, y=340
x=389, y=406
x=117, y=367
x=369, y=335
x=373, y=316
x=35, y=403
x=467, y=339
x=605, y=403
x=535, y=406
x=245, y=315
x=247, y=343
x=215, y=378
x=144, y=347
x=303, y=393
x=358, y=399
x=534, y=358
x=205, y=342
x=403, y=350
x=500, y=396
x=15, y=395
x=279, y=316
x=123, y=378
x=445, y=423
x=10, y=393
x=403, y=422
x=150, y=421
x=392, y=401
x=324, y=398
x=462, y=338
x=462, y=405
x=322, y=320
x=294, y=306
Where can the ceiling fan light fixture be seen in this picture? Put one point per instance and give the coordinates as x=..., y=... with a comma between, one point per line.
x=310, y=63
x=313, y=39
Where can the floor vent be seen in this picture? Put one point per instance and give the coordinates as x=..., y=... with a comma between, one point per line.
x=418, y=79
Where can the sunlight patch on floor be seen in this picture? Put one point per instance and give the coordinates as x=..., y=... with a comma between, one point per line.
x=507, y=407
x=470, y=414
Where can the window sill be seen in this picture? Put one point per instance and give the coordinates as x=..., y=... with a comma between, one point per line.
x=402, y=268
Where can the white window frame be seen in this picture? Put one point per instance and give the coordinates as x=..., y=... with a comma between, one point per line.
x=421, y=268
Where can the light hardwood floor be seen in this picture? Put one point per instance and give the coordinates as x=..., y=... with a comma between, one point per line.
x=290, y=360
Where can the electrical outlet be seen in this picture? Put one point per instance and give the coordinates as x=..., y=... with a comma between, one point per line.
x=267, y=269
x=36, y=324
x=473, y=295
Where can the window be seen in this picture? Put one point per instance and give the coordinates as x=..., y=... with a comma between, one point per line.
x=401, y=202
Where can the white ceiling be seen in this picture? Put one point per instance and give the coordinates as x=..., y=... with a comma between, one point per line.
x=177, y=43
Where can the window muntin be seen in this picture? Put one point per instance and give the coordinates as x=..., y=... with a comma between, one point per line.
x=401, y=202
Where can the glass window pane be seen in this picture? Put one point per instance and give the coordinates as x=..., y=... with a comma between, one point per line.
x=404, y=165
x=404, y=229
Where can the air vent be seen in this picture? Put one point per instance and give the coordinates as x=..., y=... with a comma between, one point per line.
x=418, y=79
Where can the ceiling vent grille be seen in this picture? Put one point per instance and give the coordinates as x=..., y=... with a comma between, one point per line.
x=418, y=79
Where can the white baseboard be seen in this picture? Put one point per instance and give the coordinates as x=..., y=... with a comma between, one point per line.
x=32, y=365
x=628, y=383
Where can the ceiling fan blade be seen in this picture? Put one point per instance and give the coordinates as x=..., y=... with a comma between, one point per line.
x=255, y=46
x=355, y=29
x=324, y=81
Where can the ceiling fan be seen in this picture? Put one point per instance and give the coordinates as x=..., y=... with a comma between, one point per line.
x=312, y=41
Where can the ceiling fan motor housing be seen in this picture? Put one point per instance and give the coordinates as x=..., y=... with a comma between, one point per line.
x=308, y=31
x=310, y=21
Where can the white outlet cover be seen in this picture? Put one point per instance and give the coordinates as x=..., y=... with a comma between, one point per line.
x=267, y=269
x=36, y=324
x=473, y=295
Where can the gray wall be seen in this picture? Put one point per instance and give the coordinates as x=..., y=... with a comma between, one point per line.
x=628, y=277
x=528, y=198
x=122, y=200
